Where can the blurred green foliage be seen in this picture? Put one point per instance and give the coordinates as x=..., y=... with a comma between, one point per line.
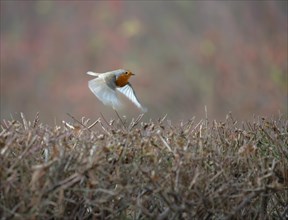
x=230, y=56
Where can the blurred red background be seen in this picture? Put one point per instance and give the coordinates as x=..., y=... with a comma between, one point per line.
x=227, y=55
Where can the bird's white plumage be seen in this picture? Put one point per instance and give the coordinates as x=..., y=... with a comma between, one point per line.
x=130, y=94
x=104, y=88
x=104, y=93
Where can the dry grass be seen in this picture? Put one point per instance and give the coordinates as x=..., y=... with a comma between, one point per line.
x=155, y=170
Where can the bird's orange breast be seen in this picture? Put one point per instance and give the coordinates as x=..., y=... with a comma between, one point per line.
x=122, y=80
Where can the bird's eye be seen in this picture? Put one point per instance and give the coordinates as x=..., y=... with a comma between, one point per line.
x=126, y=72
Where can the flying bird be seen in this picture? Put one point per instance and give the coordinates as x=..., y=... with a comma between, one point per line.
x=106, y=85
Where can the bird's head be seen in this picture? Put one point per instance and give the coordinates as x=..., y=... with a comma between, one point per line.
x=123, y=77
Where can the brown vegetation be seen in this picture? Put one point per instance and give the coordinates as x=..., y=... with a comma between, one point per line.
x=138, y=170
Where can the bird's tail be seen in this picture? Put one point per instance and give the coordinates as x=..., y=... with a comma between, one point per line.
x=92, y=73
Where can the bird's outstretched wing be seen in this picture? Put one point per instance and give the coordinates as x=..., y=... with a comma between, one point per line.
x=130, y=94
x=104, y=93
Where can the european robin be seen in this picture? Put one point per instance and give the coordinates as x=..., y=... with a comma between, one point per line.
x=105, y=85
